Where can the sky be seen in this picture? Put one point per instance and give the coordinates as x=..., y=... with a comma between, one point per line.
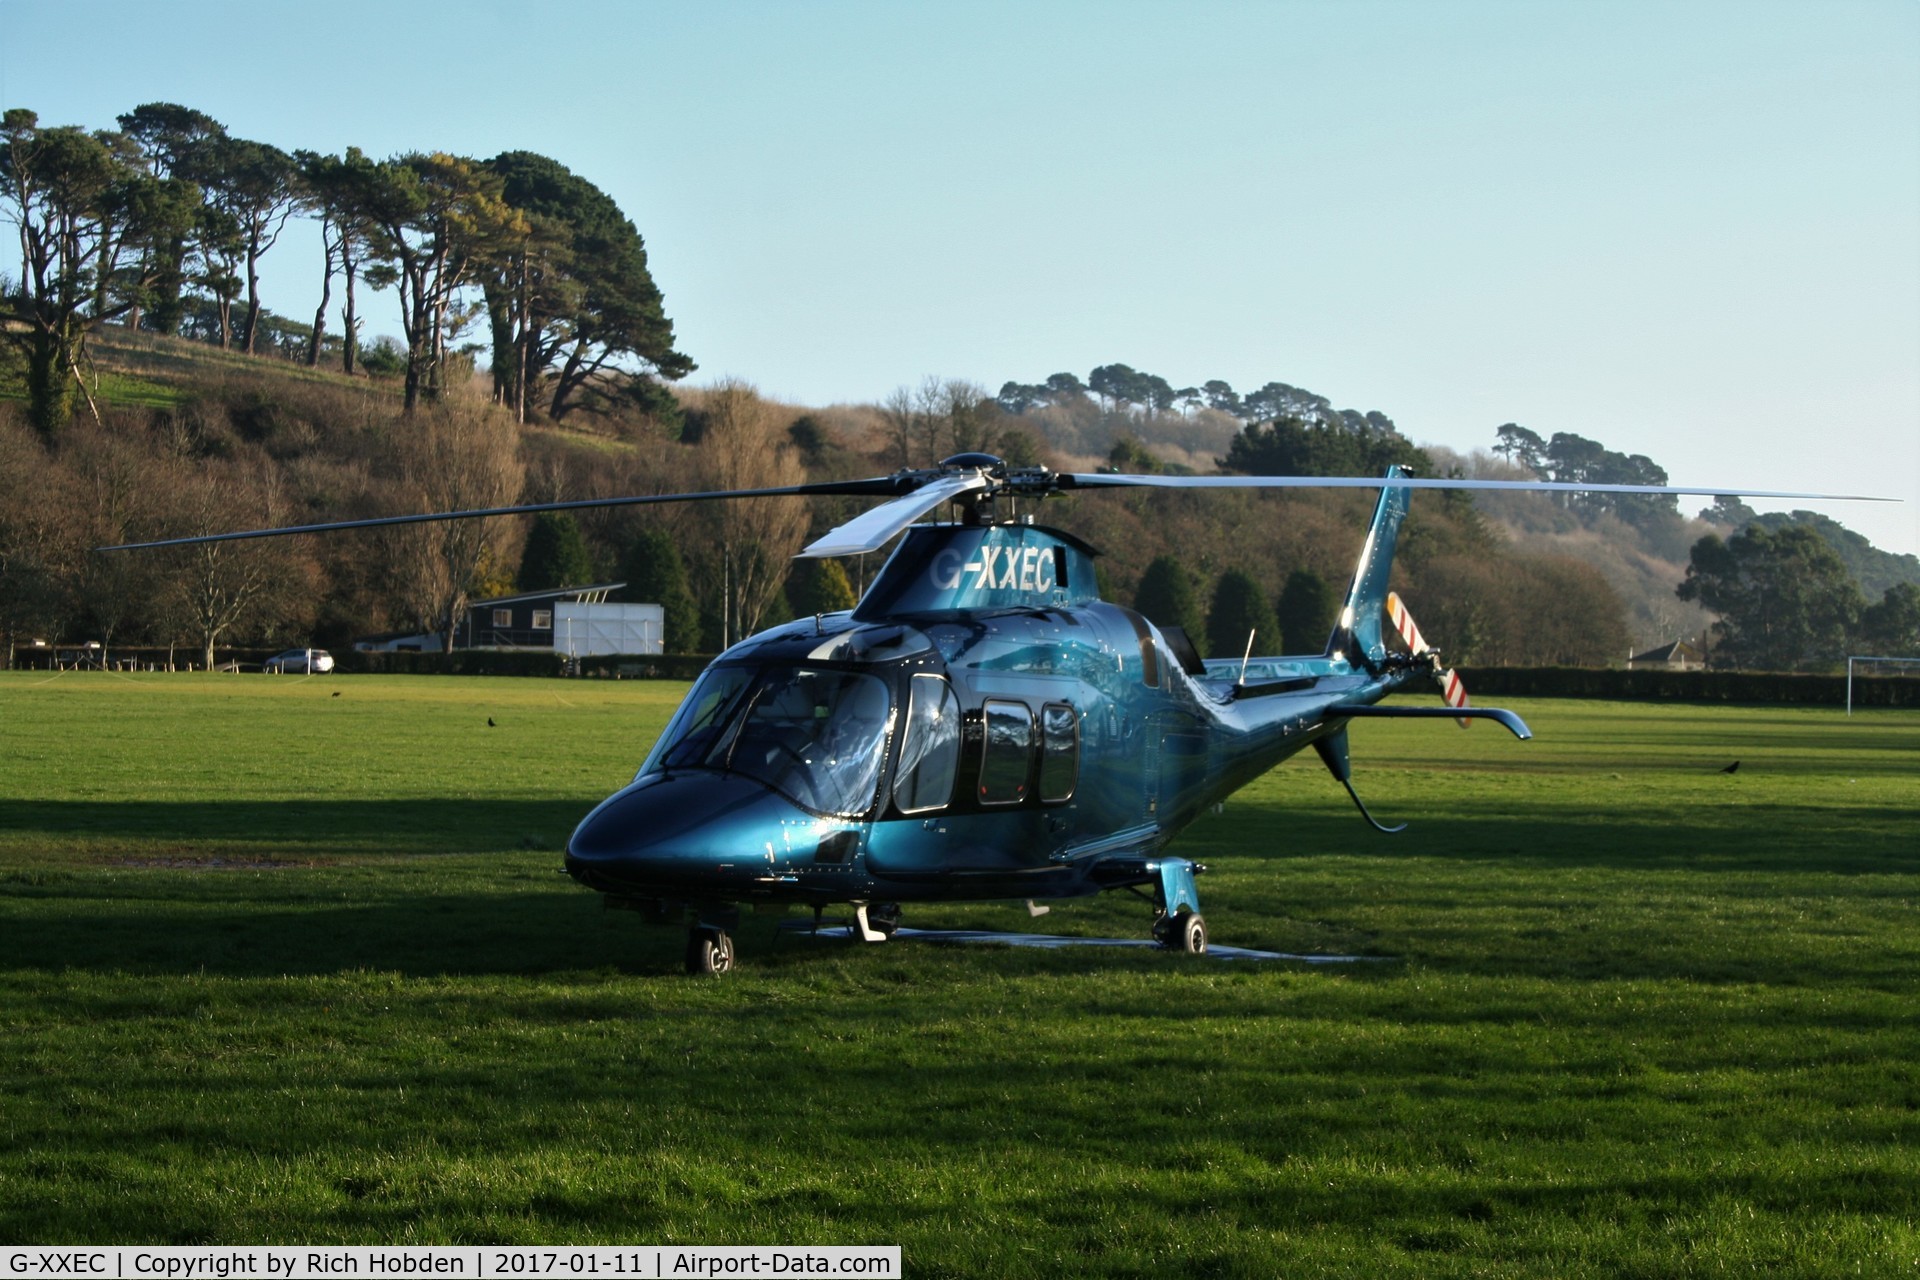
x=1688, y=230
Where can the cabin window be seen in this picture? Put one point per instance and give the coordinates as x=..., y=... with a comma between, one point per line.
x=1008, y=757
x=543, y=619
x=503, y=617
x=930, y=747
x=1059, y=752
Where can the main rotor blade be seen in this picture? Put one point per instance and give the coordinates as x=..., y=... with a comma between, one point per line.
x=1103, y=480
x=870, y=530
x=876, y=486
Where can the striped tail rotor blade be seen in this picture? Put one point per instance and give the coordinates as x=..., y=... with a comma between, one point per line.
x=1455, y=693
x=1403, y=623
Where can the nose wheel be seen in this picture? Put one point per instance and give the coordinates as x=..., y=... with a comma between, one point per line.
x=709, y=950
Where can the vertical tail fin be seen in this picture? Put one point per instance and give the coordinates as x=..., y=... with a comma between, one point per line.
x=1358, y=635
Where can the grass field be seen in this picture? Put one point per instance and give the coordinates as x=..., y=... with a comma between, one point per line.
x=282, y=966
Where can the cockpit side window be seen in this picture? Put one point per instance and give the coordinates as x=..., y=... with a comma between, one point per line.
x=929, y=747
x=1007, y=760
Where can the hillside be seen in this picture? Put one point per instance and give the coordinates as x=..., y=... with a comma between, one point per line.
x=194, y=438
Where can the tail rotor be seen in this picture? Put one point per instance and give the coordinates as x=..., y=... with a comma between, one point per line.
x=1451, y=688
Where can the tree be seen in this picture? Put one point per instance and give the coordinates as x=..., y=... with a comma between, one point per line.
x=655, y=574
x=1298, y=447
x=83, y=215
x=455, y=457
x=439, y=222
x=1239, y=609
x=112, y=491
x=1730, y=511
x=571, y=301
x=250, y=191
x=1277, y=400
x=1305, y=612
x=1117, y=385
x=165, y=136
x=819, y=586
x=555, y=554
x=1785, y=598
x=339, y=189
x=1222, y=398
x=1018, y=397
x=900, y=413
x=742, y=447
x=1521, y=447
x=929, y=414
x=37, y=542
x=1128, y=454
x=1891, y=628
x=1166, y=598
x=972, y=416
x=218, y=588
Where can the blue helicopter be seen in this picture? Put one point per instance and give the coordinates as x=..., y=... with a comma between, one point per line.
x=982, y=725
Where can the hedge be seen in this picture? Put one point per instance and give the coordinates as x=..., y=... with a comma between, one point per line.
x=521, y=662
x=1691, y=686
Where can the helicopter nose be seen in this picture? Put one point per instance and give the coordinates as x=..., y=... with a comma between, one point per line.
x=690, y=833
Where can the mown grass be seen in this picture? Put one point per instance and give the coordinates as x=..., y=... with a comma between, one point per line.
x=276, y=965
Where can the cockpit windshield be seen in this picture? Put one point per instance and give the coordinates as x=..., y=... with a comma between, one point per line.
x=815, y=735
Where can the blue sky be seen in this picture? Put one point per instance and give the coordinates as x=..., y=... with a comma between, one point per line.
x=1687, y=230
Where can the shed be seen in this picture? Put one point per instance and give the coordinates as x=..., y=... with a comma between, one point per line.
x=1681, y=655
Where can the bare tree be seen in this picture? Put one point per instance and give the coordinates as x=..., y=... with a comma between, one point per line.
x=455, y=457
x=218, y=588
x=113, y=498
x=900, y=413
x=753, y=538
x=930, y=409
x=970, y=415
x=37, y=538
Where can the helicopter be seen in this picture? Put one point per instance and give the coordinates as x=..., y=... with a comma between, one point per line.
x=982, y=725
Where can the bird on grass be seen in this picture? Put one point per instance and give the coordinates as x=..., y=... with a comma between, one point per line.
x=1732, y=768
x=334, y=694
x=490, y=723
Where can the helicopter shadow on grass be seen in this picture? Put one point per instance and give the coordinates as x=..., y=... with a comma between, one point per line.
x=167, y=887
x=289, y=924
x=317, y=829
x=1784, y=840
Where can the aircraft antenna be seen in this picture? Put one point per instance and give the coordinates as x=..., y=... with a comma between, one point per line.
x=1245, y=657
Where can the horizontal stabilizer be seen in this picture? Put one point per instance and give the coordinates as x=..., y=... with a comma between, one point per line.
x=1514, y=723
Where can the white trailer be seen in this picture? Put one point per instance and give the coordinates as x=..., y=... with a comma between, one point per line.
x=586, y=630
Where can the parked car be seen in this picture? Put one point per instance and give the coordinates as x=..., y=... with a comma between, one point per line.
x=299, y=662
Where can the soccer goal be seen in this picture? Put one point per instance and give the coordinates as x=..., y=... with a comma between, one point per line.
x=1870, y=661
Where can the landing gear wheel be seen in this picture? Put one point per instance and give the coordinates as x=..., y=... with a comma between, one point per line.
x=709, y=951
x=1185, y=932
x=884, y=917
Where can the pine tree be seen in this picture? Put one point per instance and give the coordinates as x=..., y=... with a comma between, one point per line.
x=655, y=574
x=1239, y=607
x=1305, y=612
x=1166, y=597
x=556, y=554
x=818, y=586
